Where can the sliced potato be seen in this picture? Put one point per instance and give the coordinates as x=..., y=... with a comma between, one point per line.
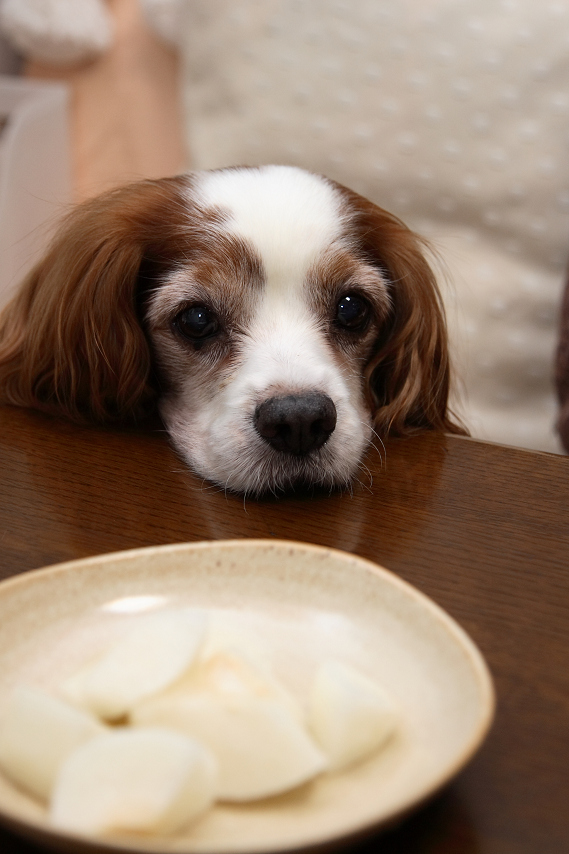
x=260, y=745
x=145, y=780
x=151, y=655
x=349, y=715
x=38, y=732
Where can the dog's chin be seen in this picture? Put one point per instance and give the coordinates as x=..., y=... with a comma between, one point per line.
x=285, y=474
x=273, y=473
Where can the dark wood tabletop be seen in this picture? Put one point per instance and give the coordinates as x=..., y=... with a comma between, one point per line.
x=482, y=529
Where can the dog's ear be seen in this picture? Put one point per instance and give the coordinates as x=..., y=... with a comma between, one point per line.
x=408, y=376
x=71, y=342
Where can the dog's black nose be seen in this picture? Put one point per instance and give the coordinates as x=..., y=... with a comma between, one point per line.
x=297, y=423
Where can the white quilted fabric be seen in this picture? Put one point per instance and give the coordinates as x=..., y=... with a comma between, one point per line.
x=454, y=114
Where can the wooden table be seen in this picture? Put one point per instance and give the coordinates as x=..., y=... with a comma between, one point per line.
x=482, y=529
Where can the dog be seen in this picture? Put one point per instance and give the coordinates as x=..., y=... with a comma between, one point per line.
x=276, y=320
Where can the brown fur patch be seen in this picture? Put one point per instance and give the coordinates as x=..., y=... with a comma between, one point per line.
x=408, y=374
x=224, y=275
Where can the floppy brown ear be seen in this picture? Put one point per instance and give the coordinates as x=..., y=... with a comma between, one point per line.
x=71, y=342
x=408, y=377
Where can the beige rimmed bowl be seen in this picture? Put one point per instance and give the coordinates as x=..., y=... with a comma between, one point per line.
x=308, y=603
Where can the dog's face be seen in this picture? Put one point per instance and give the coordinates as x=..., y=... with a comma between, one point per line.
x=275, y=317
x=261, y=335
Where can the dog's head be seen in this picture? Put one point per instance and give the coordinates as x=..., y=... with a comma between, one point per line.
x=274, y=317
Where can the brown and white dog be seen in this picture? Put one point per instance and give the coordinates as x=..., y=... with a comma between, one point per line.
x=274, y=317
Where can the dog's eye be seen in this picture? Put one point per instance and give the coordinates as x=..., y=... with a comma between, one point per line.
x=352, y=312
x=196, y=322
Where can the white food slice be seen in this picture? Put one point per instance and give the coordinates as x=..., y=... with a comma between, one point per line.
x=151, y=655
x=38, y=732
x=231, y=671
x=260, y=745
x=225, y=633
x=229, y=647
x=349, y=715
x=145, y=780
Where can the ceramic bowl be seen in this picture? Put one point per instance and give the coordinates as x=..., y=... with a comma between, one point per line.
x=307, y=603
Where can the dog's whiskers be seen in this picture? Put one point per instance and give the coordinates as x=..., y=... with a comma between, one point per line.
x=382, y=457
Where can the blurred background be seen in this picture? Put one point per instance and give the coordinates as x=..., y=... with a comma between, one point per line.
x=453, y=114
